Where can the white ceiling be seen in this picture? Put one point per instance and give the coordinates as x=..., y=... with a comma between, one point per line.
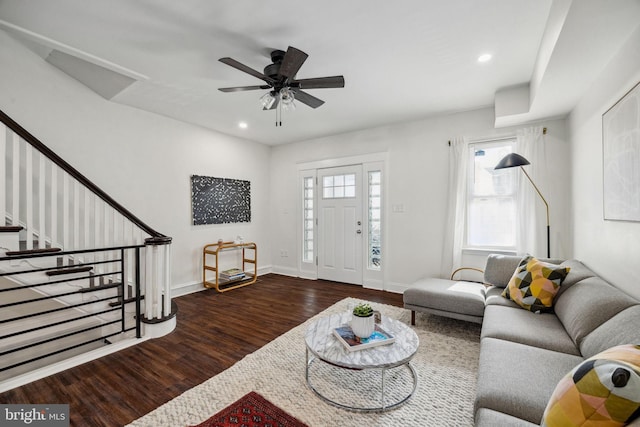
x=401, y=61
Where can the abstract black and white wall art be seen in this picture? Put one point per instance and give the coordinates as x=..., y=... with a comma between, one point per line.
x=220, y=200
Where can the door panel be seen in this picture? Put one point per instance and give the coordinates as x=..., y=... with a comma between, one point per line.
x=339, y=224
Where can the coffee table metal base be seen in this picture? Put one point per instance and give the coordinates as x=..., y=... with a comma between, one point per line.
x=384, y=406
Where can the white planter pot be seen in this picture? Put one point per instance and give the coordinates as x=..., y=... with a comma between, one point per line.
x=363, y=326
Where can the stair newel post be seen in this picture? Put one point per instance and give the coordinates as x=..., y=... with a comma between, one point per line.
x=157, y=277
x=166, y=283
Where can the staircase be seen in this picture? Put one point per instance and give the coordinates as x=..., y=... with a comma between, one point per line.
x=79, y=274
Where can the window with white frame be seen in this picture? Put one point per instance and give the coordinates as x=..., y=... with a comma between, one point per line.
x=491, y=203
x=339, y=186
x=375, y=219
x=307, y=219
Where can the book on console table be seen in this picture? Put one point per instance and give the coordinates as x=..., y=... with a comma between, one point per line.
x=345, y=335
x=232, y=274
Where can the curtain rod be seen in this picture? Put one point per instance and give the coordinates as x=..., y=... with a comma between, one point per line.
x=544, y=132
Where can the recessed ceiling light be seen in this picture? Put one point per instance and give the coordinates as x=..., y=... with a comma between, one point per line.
x=243, y=125
x=484, y=57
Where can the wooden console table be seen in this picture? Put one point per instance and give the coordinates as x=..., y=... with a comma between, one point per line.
x=213, y=250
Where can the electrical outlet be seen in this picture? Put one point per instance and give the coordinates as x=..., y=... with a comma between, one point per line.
x=284, y=254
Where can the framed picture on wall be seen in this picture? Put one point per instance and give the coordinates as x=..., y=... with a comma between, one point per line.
x=621, y=158
x=220, y=200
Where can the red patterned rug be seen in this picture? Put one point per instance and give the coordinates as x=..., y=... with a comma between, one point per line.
x=252, y=410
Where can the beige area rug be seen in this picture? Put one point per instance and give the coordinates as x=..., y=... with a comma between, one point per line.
x=446, y=364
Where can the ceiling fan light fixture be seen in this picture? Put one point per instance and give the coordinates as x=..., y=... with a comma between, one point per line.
x=287, y=95
x=267, y=100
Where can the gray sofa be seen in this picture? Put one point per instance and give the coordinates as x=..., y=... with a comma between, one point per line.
x=523, y=355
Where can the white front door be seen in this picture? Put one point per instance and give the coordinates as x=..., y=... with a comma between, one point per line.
x=340, y=224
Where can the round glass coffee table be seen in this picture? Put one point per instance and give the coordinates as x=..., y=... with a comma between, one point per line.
x=373, y=379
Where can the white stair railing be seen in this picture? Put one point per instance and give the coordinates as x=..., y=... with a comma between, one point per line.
x=59, y=207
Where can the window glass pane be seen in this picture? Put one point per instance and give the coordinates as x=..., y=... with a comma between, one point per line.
x=339, y=186
x=491, y=223
x=486, y=180
x=374, y=216
x=350, y=191
x=308, y=220
x=491, y=203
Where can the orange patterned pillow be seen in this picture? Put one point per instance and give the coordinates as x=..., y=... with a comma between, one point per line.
x=534, y=284
x=604, y=391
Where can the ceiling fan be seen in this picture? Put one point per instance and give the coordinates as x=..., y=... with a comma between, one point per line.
x=280, y=79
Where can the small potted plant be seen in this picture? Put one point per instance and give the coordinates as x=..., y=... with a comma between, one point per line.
x=362, y=322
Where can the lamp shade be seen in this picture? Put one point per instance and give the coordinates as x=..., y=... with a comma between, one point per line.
x=512, y=160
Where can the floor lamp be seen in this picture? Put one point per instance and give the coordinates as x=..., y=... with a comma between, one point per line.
x=512, y=160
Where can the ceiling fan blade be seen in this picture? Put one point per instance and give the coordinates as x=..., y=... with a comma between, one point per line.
x=239, y=66
x=275, y=104
x=242, y=88
x=292, y=61
x=307, y=99
x=319, y=82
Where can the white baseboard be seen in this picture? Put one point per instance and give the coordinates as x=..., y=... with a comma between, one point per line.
x=395, y=287
x=373, y=284
x=192, y=287
x=285, y=271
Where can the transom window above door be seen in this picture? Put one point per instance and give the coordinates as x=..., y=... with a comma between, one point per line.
x=339, y=186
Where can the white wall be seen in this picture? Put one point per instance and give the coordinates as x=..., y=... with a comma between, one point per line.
x=143, y=160
x=611, y=248
x=417, y=173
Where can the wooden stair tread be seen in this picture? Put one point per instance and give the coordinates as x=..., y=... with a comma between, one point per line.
x=69, y=270
x=33, y=251
x=11, y=228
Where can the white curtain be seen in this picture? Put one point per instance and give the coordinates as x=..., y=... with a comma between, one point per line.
x=531, y=232
x=456, y=206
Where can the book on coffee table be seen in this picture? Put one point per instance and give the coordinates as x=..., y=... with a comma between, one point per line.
x=351, y=342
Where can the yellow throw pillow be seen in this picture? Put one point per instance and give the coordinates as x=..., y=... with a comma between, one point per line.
x=604, y=391
x=534, y=284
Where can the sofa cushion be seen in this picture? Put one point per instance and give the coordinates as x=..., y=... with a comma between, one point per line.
x=493, y=296
x=588, y=304
x=518, y=379
x=534, y=284
x=499, y=269
x=446, y=296
x=623, y=328
x=490, y=418
x=539, y=330
x=603, y=390
x=578, y=272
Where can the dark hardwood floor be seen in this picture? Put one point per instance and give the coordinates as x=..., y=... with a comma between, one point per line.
x=214, y=331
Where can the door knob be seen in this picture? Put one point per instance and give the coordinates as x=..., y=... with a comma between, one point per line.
x=359, y=231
